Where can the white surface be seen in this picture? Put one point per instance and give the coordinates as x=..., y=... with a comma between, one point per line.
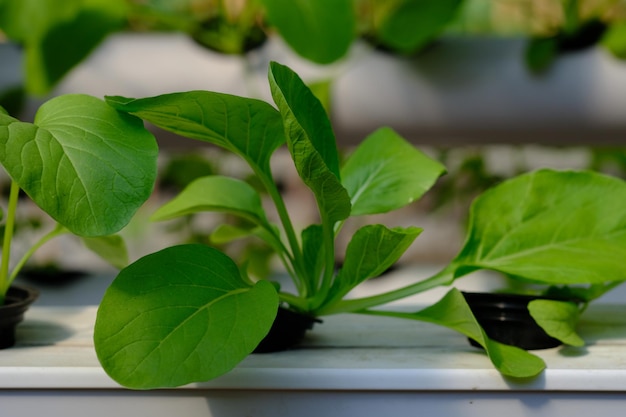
x=346, y=352
x=348, y=366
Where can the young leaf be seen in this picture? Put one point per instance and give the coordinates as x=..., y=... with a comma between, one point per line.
x=558, y=319
x=386, y=172
x=247, y=127
x=180, y=315
x=215, y=193
x=321, y=31
x=311, y=141
x=453, y=312
x=111, y=248
x=86, y=165
x=372, y=250
x=549, y=227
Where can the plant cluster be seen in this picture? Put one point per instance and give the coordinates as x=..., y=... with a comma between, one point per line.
x=190, y=313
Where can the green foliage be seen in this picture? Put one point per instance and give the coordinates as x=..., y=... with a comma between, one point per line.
x=47, y=28
x=83, y=163
x=412, y=24
x=542, y=234
x=453, y=312
x=321, y=31
x=202, y=305
x=558, y=319
x=253, y=130
x=556, y=228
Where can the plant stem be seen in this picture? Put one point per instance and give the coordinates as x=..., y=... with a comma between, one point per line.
x=297, y=257
x=329, y=264
x=9, y=227
x=57, y=231
x=443, y=277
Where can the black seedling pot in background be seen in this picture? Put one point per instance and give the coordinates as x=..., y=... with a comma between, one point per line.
x=17, y=301
x=287, y=331
x=505, y=319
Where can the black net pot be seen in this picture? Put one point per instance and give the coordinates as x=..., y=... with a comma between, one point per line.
x=287, y=331
x=18, y=300
x=506, y=319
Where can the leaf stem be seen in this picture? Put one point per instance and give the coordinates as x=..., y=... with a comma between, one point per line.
x=57, y=231
x=443, y=277
x=9, y=228
x=323, y=287
x=297, y=257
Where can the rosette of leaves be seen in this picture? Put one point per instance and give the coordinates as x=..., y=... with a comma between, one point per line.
x=86, y=165
x=188, y=313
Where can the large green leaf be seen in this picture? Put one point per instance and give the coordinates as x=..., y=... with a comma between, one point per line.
x=180, y=315
x=321, y=30
x=371, y=251
x=414, y=23
x=85, y=164
x=215, y=193
x=386, y=172
x=250, y=128
x=311, y=141
x=550, y=227
x=453, y=312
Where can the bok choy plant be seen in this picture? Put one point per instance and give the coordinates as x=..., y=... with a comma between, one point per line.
x=86, y=165
x=189, y=313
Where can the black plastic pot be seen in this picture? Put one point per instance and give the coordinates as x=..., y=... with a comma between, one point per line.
x=506, y=319
x=18, y=300
x=287, y=331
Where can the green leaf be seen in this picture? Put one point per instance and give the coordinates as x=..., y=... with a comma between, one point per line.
x=180, y=315
x=48, y=57
x=558, y=319
x=86, y=165
x=215, y=193
x=247, y=127
x=453, y=312
x=414, y=23
x=111, y=248
x=615, y=39
x=371, y=251
x=321, y=31
x=386, y=172
x=23, y=20
x=540, y=54
x=550, y=227
x=311, y=141
x=46, y=27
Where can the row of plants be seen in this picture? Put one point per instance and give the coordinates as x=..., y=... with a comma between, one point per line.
x=190, y=313
x=321, y=32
